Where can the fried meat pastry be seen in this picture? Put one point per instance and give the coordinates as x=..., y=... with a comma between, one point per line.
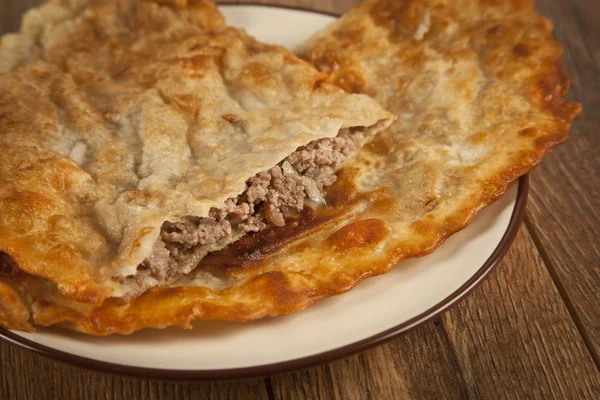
x=137, y=137
x=478, y=93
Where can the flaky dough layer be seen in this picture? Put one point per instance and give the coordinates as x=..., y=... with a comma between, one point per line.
x=119, y=115
x=479, y=96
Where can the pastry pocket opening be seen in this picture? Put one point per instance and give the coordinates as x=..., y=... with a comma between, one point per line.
x=302, y=178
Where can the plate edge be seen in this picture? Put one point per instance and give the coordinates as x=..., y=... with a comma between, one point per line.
x=497, y=255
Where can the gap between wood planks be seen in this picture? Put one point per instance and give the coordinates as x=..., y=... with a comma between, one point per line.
x=465, y=356
x=526, y=344
x=561, y=290
x=152, y=390
x=269, y=388
x=563, y=210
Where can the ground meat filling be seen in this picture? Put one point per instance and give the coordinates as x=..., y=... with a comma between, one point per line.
x=300, y=177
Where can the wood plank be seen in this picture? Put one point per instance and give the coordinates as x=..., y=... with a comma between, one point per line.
x=28, y=376
x=588, y=14
x=417, y=365
x=514, y=338
x=565, y=193
x=413, y=365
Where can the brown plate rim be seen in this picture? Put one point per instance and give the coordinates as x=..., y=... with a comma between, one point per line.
x=516, y=220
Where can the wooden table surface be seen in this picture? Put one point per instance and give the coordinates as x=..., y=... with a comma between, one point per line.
x=531, y=330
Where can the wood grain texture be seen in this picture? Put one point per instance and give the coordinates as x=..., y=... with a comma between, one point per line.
x=511, y=338
x=30, y=377
x=418, y=365
x=514, y=338
x=565, y=192
x=26, y=376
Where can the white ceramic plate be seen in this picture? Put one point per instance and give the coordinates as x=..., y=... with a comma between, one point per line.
x=375, y=310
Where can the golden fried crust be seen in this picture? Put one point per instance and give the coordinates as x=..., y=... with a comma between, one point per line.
x=13, y=313
x=43, y=224
x=479, y=95
x=116, y=116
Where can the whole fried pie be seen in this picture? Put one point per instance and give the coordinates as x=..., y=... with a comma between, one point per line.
x=478, y=93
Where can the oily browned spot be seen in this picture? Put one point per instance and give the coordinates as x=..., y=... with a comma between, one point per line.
x=197, y=46
x=565, y=111
x=276, y=282
x=381, y=145
x=569, y=111
x=528, y=132
x=59, y=179
x=478, y=138
x=350, y=81
x=553, y=139
x=552, y=87
x=385, y=204
x=521, y=50
x=166, y=292
x=256, y=74
x=43, y=303
x=494, y=31
x=343, y=191
x=20, y=206
x=6, y=118
x=319, y=82
x=358, y=235
x=232, y=119
x=424, y=228
x=457, y=221
x=412, y=59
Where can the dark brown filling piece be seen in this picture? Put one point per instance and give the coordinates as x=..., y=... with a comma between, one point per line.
x=8, y=267
x=300, y=177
